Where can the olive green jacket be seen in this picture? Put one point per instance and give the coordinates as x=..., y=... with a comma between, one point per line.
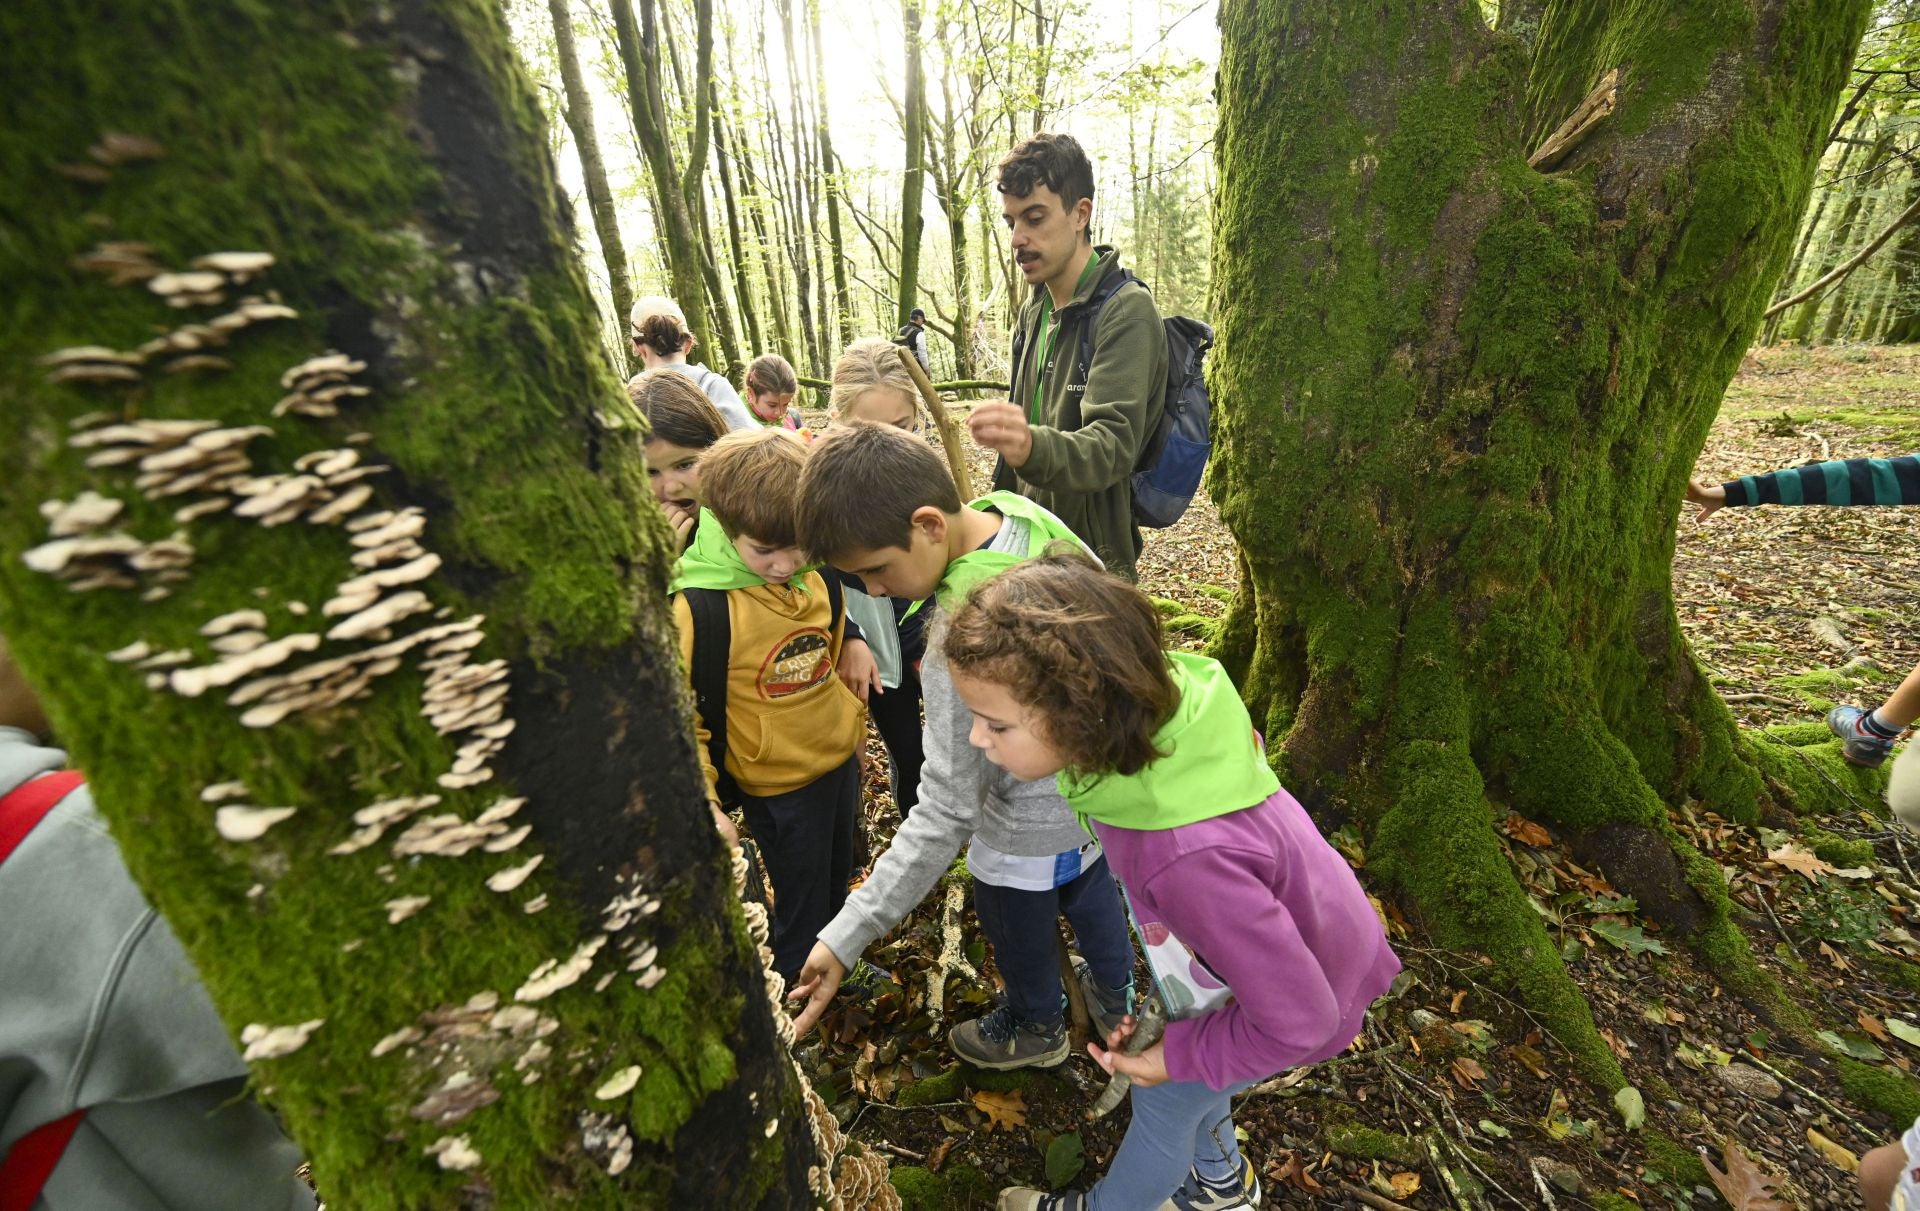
x=1089, y=430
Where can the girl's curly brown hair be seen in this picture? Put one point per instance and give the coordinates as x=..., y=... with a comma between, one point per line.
x=1079, y=647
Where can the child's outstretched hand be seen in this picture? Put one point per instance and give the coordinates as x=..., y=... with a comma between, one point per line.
x=1146, y=1069
x=859, y=669
x=1708, y=497
x=818, y=980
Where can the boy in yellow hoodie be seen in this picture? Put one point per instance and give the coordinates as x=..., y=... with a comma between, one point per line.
x=789, y=730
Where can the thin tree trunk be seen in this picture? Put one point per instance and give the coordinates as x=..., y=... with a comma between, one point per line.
x=742, y=279
x=641, y=54
x=1839, y=237
x=1791, y=278
x=579, y=118
x=398, y=173
x=831, y=184
x=1453, y=357
x=914, y=186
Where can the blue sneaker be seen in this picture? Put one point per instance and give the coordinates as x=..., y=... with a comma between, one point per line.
x=1857, y=744
x=1197, y=1195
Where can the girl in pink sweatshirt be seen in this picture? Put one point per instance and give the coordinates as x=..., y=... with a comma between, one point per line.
x=1263, y=947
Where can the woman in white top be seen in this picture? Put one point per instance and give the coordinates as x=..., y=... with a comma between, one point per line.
x=662, y=341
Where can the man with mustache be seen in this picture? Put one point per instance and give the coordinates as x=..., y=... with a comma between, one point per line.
x=1082, y=410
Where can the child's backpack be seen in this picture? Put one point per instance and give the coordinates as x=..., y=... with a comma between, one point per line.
x=1175, y=455
x=712, y=641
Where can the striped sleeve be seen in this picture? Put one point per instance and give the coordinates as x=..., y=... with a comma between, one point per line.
x=1852, y=481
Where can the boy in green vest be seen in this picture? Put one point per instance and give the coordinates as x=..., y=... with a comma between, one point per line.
x=879, y=504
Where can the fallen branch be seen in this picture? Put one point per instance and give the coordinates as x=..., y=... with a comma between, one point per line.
x=1769, y=699
x=949, y=432
x=1591, y=111
x=1827, y=631
x=1379, y=1202
x=1852, y=263
x=950, y=959
x=1540, y=1182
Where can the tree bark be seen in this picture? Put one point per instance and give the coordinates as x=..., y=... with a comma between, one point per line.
x=1487, y=386
x=914, y=186
x=1834, y=246
x=830, y=184
x=579, y=118
x=642, y=54
x=393, y=162
x=1791, y=278
x=742, y=279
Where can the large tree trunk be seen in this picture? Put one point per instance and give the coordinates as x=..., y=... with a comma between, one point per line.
x=1487, y=385
x=390, y=158
x=579, y=118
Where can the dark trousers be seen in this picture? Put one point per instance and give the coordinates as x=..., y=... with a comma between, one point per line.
x=1020, y=926
x=896, y=716
x=806, y=838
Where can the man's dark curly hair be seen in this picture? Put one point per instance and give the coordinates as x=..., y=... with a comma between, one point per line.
x=1053, y=160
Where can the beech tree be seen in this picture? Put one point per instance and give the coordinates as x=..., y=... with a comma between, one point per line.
x=1485, y=344
x=375, y=684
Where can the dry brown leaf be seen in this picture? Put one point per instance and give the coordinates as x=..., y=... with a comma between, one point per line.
x=1468, y=1072
x=1843, y=1158
x=1405, y=1185
x=1526, y=831
x=1292, y=1172
x=1459, y=999
x=1532, y=1059
x=1744, y=1185
x=1872, y=1025
x=938, y=1156
x=1800, y=861
x=1003, y=1110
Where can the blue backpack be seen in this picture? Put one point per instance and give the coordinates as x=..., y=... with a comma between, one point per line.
x=1175, y=456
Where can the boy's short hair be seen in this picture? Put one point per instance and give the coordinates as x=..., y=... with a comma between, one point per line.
x=860, y=487
x=1053, y=160
x=749, y=480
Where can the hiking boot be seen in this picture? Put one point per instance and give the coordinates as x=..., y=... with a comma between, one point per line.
x=1106, y=1005
x=1199, y=1195
x=1857, y=744
x=1000, y=1041
x=1020, y=1198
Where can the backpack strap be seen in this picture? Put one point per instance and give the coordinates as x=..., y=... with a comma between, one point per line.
x=27, y=1165
x=1109, y=286
x=712, y=643
x=836, y=602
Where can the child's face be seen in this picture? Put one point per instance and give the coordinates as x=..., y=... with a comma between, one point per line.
x=1007, y=733
x=769, y=405
x=775, y=565
x=886, y=406
x=912, y=571
x=673, y=472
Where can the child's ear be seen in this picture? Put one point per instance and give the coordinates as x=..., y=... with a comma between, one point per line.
x=931, y=522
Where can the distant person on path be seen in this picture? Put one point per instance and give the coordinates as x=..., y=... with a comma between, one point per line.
x=1073, y=433
x=913, y=334
x=662, y=341
x=1866, y=736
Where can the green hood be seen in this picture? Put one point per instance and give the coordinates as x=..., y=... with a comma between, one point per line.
x=975, y=566
x=713, y=563
x=1213, y=765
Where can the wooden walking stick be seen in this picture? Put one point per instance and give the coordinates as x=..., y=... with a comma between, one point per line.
x=949, y=432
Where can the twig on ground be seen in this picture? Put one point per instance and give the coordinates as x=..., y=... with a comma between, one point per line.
x=897, y=1150
x=1769, y=699
x=1540, y=1183
x=1865, y=1131
x=1379, y=1202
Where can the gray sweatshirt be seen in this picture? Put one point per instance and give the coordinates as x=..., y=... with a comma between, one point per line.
x=100, y=1008
x=725, y=399
x=961, y=794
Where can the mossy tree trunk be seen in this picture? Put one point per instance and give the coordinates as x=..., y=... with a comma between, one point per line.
x=913, y=185
x=391, y=158
x=1487, y=385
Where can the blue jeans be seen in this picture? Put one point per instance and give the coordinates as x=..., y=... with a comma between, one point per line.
x=1176, y=1126
x=1020, y=927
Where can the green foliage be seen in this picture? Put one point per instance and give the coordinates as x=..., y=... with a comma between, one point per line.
x=1892, y=1093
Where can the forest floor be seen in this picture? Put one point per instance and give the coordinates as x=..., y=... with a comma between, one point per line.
x=1454, y=1096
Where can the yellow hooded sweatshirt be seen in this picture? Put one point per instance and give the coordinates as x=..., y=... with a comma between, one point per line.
x=790, y=719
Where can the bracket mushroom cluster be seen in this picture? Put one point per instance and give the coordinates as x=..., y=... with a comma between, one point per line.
x=316, y=386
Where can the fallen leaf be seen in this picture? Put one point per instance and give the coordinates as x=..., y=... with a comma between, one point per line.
x=1468, y=1072
x=1527, y=832
x=1872, y=1025
x=1904, y=1030
x=1003, y=1110
x=1800, y=861
x=1630, y=938
x=1842, y=1157
x=1292, y=1172
x=1632, y=1107
x=1405, y=1185
x=1459, y=998
x=1744, y=1185
x=1833, y=956
x=938, y=1156
x=1066, y=1156
x=1490, y=1128
x=1531, y=1059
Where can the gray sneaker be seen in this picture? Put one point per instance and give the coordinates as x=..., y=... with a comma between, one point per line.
x=1107, y=1006
x=1197, y=1195
x=1000, y=1041
x=1857, y=744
